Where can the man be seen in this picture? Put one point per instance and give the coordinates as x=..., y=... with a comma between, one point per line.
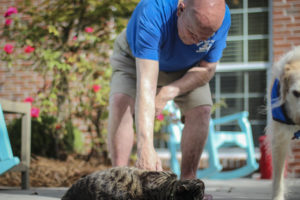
x=169, y=51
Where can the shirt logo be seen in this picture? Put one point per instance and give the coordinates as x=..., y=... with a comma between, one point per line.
x=204, y=46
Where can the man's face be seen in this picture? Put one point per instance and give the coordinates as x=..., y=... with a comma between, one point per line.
x=192, y=29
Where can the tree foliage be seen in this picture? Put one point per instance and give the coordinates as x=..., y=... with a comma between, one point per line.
x=68, y=43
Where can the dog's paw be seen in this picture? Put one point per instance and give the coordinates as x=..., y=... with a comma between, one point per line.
x=278, y=198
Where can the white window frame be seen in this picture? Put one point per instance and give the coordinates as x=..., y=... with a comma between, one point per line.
x=246, y=66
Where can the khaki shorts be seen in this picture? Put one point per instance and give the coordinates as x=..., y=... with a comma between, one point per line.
x=124, y=78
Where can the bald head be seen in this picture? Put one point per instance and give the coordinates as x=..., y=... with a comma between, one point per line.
x=199, y=19
x=208, y=14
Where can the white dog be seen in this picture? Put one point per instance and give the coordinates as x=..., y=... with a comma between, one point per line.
x=285, y=106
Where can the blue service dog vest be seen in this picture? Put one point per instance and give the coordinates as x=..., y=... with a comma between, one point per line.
x=279, y=112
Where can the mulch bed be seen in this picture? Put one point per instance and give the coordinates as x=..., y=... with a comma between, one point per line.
x=45, y=172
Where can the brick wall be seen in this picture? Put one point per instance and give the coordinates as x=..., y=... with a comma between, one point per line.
x=16, y=84
x=286, y=26
x=286, y=34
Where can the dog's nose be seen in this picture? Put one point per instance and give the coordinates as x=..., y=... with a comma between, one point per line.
x=296, y=93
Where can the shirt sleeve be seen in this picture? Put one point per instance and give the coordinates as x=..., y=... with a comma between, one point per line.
x=148, y=35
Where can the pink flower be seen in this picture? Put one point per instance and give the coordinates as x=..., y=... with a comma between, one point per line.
x=35, y=112
x=8, y=48
x=96, y=88
x=10, y=11
x=58, y=126
x=28, y=49
x=8, y=22
x=29, y=99
x=89, y=29
x=75, y=38
x=160, y=117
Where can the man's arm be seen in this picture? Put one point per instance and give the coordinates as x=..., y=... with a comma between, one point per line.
x=195, y=77
x=147, y=74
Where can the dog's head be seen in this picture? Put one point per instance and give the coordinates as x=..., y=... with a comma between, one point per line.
x=290, y=85
x=192, y=189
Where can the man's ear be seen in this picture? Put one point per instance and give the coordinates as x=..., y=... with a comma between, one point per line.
x=180, y=8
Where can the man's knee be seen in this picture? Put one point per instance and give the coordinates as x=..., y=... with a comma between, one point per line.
x=199, y=113
x=203, y=110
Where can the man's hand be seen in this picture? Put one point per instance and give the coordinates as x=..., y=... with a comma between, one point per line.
x=160, y=101
x=195, y=77
x=148, y=160
x=164, y=94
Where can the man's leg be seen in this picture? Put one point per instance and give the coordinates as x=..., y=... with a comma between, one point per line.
x=120, y=128
x=193, y=140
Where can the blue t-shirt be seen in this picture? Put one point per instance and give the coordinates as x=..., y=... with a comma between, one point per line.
x=152, y=34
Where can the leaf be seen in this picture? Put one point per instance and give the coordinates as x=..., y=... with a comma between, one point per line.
x=53, y=30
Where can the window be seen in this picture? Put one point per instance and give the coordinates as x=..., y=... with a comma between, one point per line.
x=240, y=79
x=241, y=90
x=248, y=36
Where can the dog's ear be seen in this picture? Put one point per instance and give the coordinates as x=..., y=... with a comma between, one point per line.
x=285, y=82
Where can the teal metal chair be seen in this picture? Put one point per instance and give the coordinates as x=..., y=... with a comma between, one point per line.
x=7, y=160
x=216, y=139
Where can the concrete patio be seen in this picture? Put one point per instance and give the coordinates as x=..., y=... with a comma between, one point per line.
x=243, y=189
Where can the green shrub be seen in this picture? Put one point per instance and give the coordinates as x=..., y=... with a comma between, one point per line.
x=45, y=139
